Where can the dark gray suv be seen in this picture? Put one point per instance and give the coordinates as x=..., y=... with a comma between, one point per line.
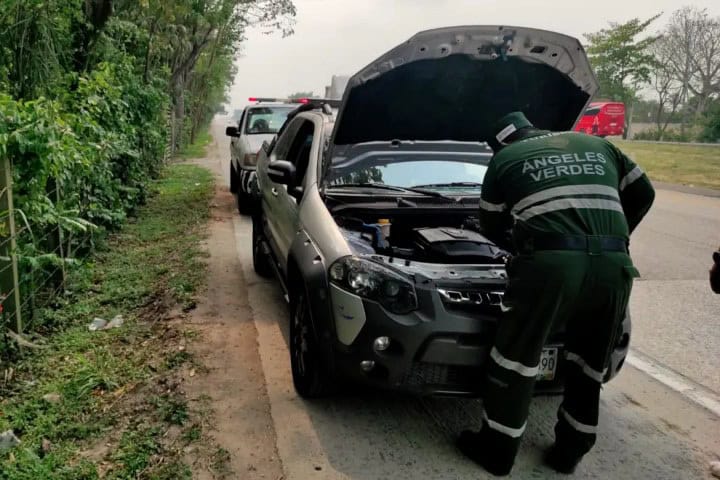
x=367, y=214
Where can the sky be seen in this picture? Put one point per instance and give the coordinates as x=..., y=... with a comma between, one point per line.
x=342, y=36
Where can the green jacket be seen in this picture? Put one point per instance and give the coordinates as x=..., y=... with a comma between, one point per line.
x=564, y=182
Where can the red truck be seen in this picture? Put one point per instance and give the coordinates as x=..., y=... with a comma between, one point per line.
x=603, y=119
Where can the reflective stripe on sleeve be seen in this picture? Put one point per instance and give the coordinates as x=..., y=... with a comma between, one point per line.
x=504, y=429
x=566, y=203
x=565, y=191
x=579, y=426
x=633, y=175
x=516, y=367
x=492, y=207
x=587, y=370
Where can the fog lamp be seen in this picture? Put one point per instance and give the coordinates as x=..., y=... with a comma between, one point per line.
x=381, y=344
x=367, y=365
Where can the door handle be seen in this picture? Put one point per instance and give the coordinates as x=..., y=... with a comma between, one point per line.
x=274, y=191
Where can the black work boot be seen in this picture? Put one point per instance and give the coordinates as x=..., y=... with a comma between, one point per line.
x=559, y=460
x=477, y=447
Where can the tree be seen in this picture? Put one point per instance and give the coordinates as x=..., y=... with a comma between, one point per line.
x=181, y=32
x=296, y=95
x=693, y=40
x=668, y=88
x=85, y=91
x=622, y=62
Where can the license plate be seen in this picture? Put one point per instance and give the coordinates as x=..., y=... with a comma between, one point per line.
x=548, y=364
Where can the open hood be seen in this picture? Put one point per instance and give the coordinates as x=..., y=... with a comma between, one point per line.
x=455, y=83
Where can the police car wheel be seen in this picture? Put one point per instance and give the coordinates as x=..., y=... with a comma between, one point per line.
x=233, y=179
x=309, y=377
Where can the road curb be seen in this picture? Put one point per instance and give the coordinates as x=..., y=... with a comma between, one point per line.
x=705, y=192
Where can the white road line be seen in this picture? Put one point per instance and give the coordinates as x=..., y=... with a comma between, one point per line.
x=696, y=393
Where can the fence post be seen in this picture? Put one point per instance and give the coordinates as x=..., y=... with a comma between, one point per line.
x=61, y=240
x=9, y=279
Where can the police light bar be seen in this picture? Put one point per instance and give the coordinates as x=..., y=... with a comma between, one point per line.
x=264, y=99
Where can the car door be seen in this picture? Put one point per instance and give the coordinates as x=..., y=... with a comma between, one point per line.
x=288, y=203
x=272, y=202
x=235, y=143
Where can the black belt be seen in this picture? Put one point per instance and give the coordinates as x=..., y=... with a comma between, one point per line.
x=588, y=243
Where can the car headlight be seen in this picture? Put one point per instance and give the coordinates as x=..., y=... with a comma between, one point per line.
x=250, y=159
x=373, y=281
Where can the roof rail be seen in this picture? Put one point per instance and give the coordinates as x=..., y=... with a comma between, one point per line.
x=312, y=104
x=319, y=101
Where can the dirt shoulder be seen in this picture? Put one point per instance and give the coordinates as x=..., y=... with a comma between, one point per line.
x=233, y=381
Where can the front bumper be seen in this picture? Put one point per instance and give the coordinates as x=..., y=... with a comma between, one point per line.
x=437, y=350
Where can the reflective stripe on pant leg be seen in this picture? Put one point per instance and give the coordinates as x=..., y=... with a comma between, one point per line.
x=576, y=428
x=580, y=427
x=506, y=400
x=504, y=429
x=596, y=375
x=512, y=365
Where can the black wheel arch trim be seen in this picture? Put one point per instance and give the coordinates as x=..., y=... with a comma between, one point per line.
x=310, y=266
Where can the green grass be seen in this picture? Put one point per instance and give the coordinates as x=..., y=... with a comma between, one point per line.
x=681, y=164
x=111, y=381
x=198, y=148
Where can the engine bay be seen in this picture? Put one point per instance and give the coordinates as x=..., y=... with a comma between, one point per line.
x=443, y=238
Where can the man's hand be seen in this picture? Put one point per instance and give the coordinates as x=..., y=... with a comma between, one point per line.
x=715, y=273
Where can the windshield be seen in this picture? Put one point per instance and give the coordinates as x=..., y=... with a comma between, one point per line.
x=438, y=175
x=592, y=111
x=266, y=120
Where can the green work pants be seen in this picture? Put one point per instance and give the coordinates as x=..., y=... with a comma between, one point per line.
x=586, y=296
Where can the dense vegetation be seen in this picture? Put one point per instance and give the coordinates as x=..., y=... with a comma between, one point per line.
x=108, y=404
x=93, y=92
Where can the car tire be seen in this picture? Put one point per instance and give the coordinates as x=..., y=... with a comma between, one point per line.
x=310, y=376
x=244, y=203
x=233, y=179
x=261, y=260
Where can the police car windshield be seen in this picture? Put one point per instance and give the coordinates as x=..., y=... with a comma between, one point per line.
x=457, y=177
x=266, y=119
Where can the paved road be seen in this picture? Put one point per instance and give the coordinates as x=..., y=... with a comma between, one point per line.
x=675, y=315
x=647, y=429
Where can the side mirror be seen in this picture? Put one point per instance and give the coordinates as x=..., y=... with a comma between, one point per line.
x=232, y=131
x=282, y=172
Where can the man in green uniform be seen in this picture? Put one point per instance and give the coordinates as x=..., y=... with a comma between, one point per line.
x=571, y=201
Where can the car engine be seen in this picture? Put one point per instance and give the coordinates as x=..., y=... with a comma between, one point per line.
x=457, y=242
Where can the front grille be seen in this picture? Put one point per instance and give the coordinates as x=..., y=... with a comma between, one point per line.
x=477, y=300
x=471, y=297
x=422, y=374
